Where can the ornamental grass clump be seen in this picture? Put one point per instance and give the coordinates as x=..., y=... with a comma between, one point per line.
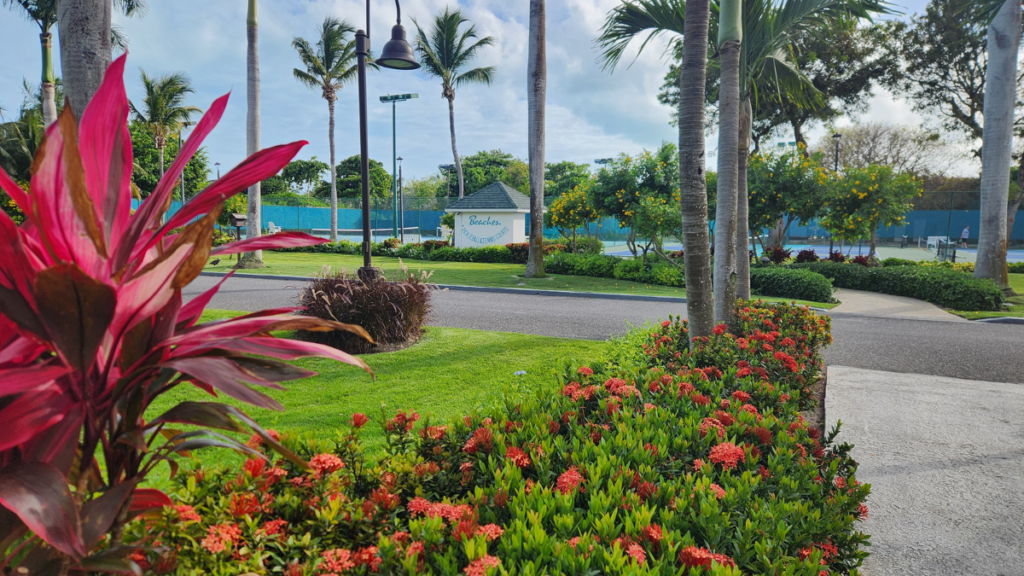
x=392, y=311
x=94, y=329
x=621, y=469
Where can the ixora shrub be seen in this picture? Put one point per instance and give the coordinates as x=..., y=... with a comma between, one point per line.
x=391, y=311
x=790, y=283
x=935, y=284
x=626, y=469
x=93, y=329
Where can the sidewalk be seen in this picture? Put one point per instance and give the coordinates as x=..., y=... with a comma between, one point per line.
x=886, y=306
x=944, y=458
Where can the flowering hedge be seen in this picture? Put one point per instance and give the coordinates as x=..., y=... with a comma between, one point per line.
x=673, y=463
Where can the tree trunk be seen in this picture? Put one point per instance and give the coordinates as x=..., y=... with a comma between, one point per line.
x=1000, y=97
x=743, y=204
x=334, y=177
x=47, y=87
x=252, y=136
x=84, y=30
x=873, y=252
x=455, y=149
x=798, y=134
x=160, y=150
x=692, y=176
x=728, y=152
x=537, y=77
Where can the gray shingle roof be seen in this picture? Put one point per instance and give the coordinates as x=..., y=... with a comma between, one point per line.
x=497, y=196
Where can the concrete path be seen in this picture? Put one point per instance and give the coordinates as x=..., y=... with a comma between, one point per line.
x=945, y=460
x=886, y=306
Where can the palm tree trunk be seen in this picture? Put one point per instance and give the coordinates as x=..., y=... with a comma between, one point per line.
x=160, y=149
x=48, y=87
x=728, y=159
x=84, y=30
x=742, y=204
x=692, y=176
x=537, y=82
x=455, y=150
x=1000, y=92
x=334, y=177
x=252, y=135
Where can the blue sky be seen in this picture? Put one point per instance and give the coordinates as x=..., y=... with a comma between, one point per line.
x=591, y=113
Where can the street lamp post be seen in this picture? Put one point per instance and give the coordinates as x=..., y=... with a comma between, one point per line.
x=448, y=169
x=401, y=202
x=394, y=150
x=217, y=164
x=398, y=55
x=835, y=138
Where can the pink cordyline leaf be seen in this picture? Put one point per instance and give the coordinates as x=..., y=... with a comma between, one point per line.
x=273, y=241
x=14, y=191
x=225, y=376
x=29, y=415
x=23, y=379
x=148, y=498
x=191, y=312
x=39, y=495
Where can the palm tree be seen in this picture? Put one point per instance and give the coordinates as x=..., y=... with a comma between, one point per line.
x=164, y=111
x=254, y=212
x=1000, y=97
x=730, y=38
x=44, y=14
x=329, y=67
x=537, y=76
x=444, y=53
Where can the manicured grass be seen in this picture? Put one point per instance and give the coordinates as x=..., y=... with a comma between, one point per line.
x=461, y=274
x=1017, y=310
x=449, y=372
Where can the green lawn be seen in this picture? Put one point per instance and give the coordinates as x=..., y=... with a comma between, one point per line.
x=460, y=273
x=1017, y=283
x=447, y=373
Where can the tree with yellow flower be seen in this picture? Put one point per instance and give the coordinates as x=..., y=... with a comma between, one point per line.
x=862, y=199
x=572, y=211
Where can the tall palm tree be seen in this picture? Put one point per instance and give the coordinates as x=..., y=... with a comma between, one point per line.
x=730, y=38
x=44, y=14
x=329, y=67
x=537, y=79
x=1000, y=97
x=254, y=212
x=444, y=53
x=164, y=111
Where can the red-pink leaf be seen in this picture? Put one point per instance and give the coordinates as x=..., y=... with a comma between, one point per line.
x=15, y=192
x=24, y=378
x=284, y=349
x=148, y=498
x=99, y=513
x=40, y=496
x=227, y=377
x=106, y=150
x=271, y=242
x=76, y=310
x=30, y=414
x=255, y=168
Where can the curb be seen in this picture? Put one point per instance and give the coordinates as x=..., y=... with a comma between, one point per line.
x=520, y=291
x=1002, y=320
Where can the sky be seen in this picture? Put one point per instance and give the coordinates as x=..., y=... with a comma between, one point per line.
x=591, y=113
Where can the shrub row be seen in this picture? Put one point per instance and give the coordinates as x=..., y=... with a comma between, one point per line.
x=434, y=250
x=646, y=271
x=790, y=283
x=941, y=286
x=967, y=267
x=1016, y=267
x=677, y=463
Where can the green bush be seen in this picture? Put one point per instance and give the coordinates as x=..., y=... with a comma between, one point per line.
x=1016, y=267
x=789, y=283
x=595, y=265
x=485, y=255
x=889, y=262
x=632, y=269
x=941, y=286
x=588, y=245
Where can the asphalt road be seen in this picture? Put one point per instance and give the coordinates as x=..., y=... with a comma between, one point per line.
x=974, y=351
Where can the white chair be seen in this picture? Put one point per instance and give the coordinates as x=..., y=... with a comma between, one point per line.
x=271, y=229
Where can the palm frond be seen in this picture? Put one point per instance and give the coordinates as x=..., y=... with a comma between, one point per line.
x=476, y=76
x=332, y=62
x=449, y=47
x=634, y=18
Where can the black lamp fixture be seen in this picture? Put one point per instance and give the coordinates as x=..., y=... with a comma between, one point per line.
x=836, y=138
x=397, y=55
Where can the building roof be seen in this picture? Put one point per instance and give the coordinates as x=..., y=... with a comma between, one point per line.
x=497, y=197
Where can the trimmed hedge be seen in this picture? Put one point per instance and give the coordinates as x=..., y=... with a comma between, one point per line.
x=683, y=462
x=789, y=283
x=938, y=285
x=432, y=250
x=649, y=271
x=1016, y=267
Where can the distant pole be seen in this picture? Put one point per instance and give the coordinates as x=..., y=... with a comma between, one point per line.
x=831, y=241
x=394, y=168
x=401, y=203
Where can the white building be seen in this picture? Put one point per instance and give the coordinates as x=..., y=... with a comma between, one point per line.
x=493, y=216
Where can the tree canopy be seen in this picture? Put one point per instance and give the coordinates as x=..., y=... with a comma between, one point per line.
x=350, y=181
x=305, y=175
x=487, y=167
x=146, y=174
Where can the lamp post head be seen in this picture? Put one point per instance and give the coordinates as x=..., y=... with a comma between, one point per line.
x=398, y=54
x=837, y=136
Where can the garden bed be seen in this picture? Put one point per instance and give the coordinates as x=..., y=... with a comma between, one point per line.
x=656, y=461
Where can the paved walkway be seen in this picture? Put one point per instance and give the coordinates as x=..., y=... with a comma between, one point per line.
x=886, y=306
x=945, y=459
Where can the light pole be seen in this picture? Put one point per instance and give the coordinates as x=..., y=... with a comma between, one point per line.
x=399, y=55
x=217, y=164
x=401, y=202
x=835, y=138
x=394, y=149
x=447, y=168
